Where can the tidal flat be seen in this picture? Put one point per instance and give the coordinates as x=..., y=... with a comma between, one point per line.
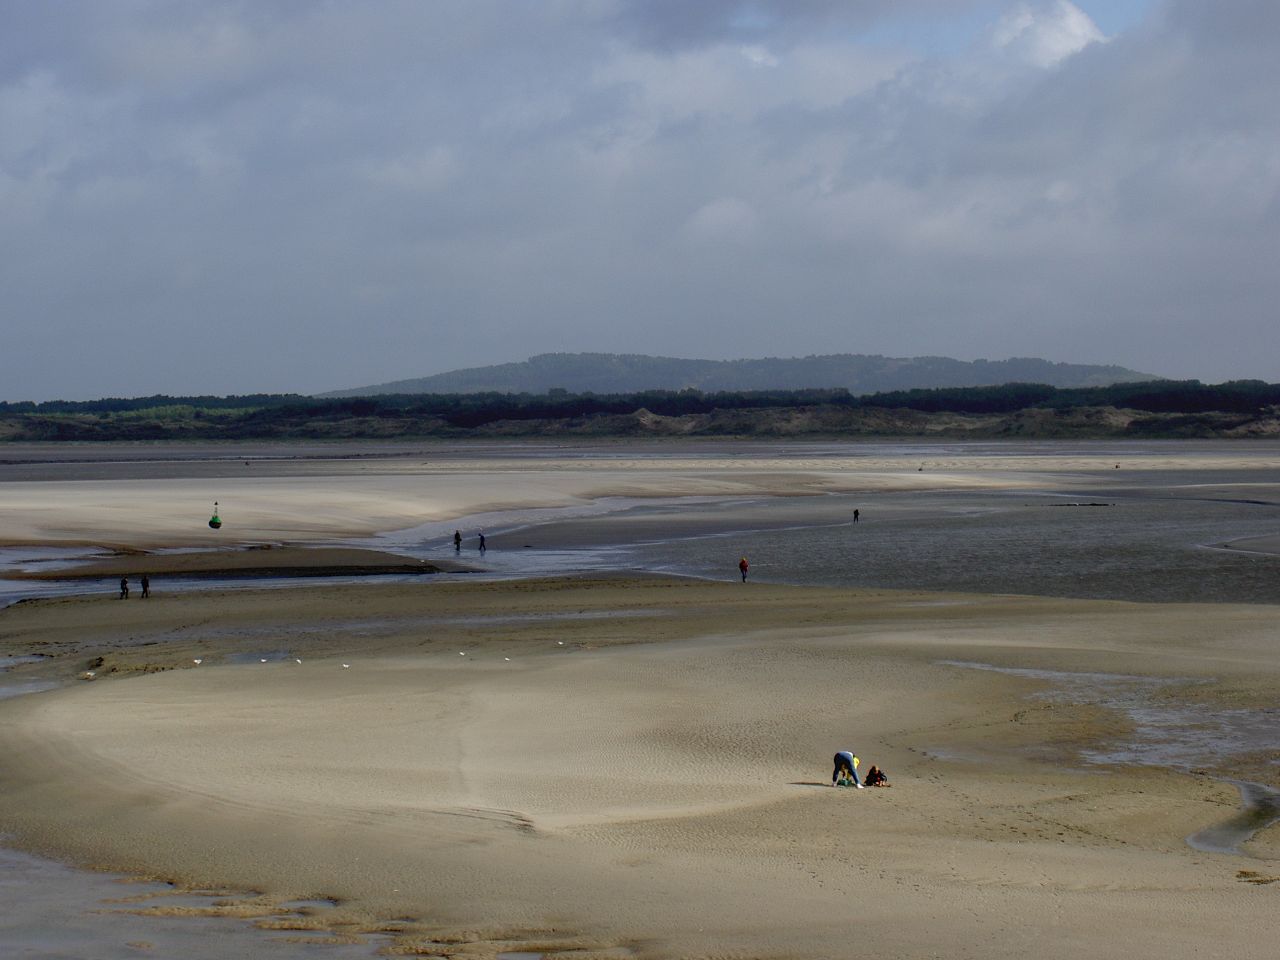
x=596, y=739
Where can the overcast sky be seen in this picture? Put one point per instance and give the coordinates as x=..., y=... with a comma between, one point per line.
x=296, y=195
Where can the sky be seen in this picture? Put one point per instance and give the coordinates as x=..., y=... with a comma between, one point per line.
x=236, y=196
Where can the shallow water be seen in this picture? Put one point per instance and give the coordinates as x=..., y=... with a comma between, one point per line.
x=14, y=687
x=1259, y=809
x=1158, y=536
x=52, y=912
x=18, y=688
x=1138, y=549
x=1176, y=736
x=7, y=662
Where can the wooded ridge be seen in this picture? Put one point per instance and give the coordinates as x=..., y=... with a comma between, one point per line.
x=1244, y=408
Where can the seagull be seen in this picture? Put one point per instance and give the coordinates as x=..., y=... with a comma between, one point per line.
x=262, y=660
x=561, y=642
x=462, y=653
x=197, y=661
x=506, y=658
x=299, y=661
x=346, y=666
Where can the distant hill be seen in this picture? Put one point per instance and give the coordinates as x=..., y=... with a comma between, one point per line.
x=857, y=373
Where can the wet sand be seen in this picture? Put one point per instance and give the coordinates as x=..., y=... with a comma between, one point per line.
x=136, y=497
x=633, y=766
x=55, y=911
x=255, y=562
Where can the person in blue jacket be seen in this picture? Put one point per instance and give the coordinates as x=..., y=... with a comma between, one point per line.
x=846, y=768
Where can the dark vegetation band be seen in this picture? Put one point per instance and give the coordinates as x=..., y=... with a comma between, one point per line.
x=284, y=415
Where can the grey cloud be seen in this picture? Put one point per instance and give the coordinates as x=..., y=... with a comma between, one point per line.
x=677, y=24
x=226, y=197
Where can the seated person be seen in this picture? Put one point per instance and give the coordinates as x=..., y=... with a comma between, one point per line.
x=875, y=778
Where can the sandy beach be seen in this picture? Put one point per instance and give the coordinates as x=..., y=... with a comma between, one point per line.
x=614, y=766
x=641, y=765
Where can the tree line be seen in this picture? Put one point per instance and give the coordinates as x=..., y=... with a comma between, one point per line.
x=266, y=415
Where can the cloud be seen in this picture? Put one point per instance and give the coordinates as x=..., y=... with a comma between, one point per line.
x=758, y=55
x=1045, y=34
x=419, y=170
x=726, y=220
x=336, y=194
x=669, y=26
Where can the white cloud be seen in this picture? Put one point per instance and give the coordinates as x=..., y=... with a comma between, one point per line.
x=1045, y=34
x=760, y=56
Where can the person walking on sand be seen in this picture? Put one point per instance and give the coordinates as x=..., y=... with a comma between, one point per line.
x=846, y=769
x=457, y=541
x=482, y=546
x=855, y=514
x=146, y=586
x=743, y=566
x=124, y=588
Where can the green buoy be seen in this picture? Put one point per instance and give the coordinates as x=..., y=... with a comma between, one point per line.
x=215, y=521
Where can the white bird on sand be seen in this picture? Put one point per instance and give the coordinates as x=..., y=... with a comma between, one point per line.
x=346, y=666
x=561, y=642
x=299, y=661
x=89, y=675
x=462, y=653
x=506, y=658
x=197, y=661
x=262, y=660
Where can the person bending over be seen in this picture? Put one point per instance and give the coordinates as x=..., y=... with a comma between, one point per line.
x=846, y=769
